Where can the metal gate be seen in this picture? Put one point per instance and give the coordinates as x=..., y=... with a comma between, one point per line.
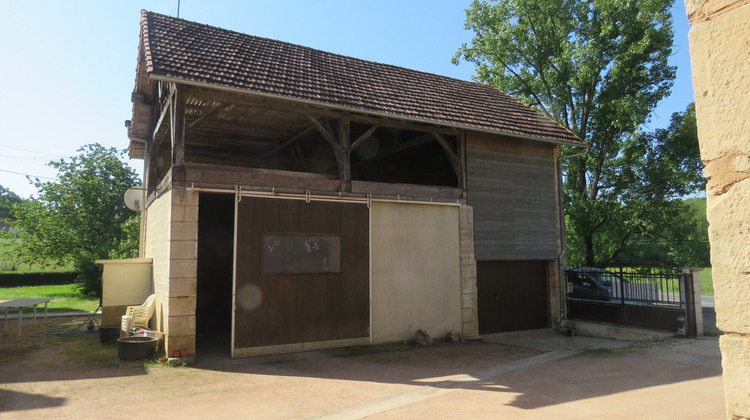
x=656, y=298
x=512, y=296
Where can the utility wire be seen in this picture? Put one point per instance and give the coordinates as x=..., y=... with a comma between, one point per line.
x=29, y=175
x=33, y=151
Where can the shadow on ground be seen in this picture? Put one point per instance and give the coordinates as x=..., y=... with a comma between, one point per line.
x=535, y=378
x=27, y=401
x=539, y=372
x=46, y=358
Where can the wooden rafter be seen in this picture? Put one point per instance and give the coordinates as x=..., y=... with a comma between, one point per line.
x=288, y=142
x=325, y=133
x=200, y=120
x=164, y=111
x=319, y=111
x=452, y=157
x=364, y=136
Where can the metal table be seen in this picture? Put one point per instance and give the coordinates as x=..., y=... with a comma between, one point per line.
x=20, y=304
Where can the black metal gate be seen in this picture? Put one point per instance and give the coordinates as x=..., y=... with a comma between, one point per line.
x=656, y=298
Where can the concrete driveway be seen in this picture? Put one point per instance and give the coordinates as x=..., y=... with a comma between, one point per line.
x=531, y=375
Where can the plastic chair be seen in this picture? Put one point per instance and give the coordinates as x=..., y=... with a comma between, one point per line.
x=137, y=316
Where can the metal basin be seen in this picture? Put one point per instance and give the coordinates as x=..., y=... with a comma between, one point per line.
x=136, y=348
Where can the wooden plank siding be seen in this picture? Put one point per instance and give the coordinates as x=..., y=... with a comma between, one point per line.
x=302, y=308
x=511, y=185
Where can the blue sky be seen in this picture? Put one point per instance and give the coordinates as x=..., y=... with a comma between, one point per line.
x=69, y=67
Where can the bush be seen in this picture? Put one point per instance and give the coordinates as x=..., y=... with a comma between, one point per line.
x=89, y=277
x=37, y=279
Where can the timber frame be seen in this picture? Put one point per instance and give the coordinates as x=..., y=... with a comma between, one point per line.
x=270, y=109
x=198, y=133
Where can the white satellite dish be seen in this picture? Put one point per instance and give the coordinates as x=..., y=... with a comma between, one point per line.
x=133, y=198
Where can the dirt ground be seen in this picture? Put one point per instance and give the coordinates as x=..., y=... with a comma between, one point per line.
x=77, y=377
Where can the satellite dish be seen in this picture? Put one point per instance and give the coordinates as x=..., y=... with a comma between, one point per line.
x=133, y=198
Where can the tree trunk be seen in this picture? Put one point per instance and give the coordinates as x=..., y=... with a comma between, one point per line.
x=589, y=245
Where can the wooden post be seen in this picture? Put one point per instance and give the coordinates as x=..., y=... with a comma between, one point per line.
x=454, y=160
x=178, y=126
x=462, y=158
x=345, y=167
x=153, y=164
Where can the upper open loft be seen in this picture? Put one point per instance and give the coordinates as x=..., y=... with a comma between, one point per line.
x=208, y=99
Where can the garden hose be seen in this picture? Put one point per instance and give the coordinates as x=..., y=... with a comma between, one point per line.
x=71, y=328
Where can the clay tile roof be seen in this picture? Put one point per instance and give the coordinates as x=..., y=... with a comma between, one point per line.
x=180, y=50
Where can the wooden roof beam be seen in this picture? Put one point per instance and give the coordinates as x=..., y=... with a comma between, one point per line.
x=254, y=101
x=325, y=133
x=452, y=157
x=288, y=142
x=200, y=120
x=164, y=111
x=364, y=136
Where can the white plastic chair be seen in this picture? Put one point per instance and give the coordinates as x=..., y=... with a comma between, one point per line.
x=137, y=316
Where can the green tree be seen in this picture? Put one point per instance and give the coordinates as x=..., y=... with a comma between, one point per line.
x=658, y=226
x=81, y=217
x=7, y=199
x=599, y=67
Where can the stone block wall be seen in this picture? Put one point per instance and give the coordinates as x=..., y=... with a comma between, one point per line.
x=183, y=271
x=469, y=302
x=156, y=247
x=720, y=56
x=172, y=243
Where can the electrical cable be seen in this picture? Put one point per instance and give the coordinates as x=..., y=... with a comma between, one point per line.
x=29, y=175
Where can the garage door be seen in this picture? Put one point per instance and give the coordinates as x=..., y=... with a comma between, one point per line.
x=512, y=296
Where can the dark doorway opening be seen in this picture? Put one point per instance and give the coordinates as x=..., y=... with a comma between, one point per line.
x=213, y=311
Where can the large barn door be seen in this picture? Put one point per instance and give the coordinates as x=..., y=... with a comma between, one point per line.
x=301, y=275
x=512, y=296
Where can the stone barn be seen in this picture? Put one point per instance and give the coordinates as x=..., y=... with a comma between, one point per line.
x=296, y=199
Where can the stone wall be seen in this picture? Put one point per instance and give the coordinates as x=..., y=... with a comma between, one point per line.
x=469, y=300
x=156, y=247
x=172, y=242
x=720, y=54
x=183, y=271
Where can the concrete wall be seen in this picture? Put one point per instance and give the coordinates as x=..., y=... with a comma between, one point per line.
x=172, y=243
x=416, y=271
x=125, y=282
x=720, y=55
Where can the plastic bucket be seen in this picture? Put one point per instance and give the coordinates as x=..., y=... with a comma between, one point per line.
x=136, y=348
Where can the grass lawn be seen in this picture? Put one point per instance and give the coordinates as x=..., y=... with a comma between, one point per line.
x=707, y=282
x=65, y=298
x=8, y=263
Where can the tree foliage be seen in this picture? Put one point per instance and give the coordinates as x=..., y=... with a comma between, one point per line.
x=599, y=67
x=81, y=217
x=7, y=199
